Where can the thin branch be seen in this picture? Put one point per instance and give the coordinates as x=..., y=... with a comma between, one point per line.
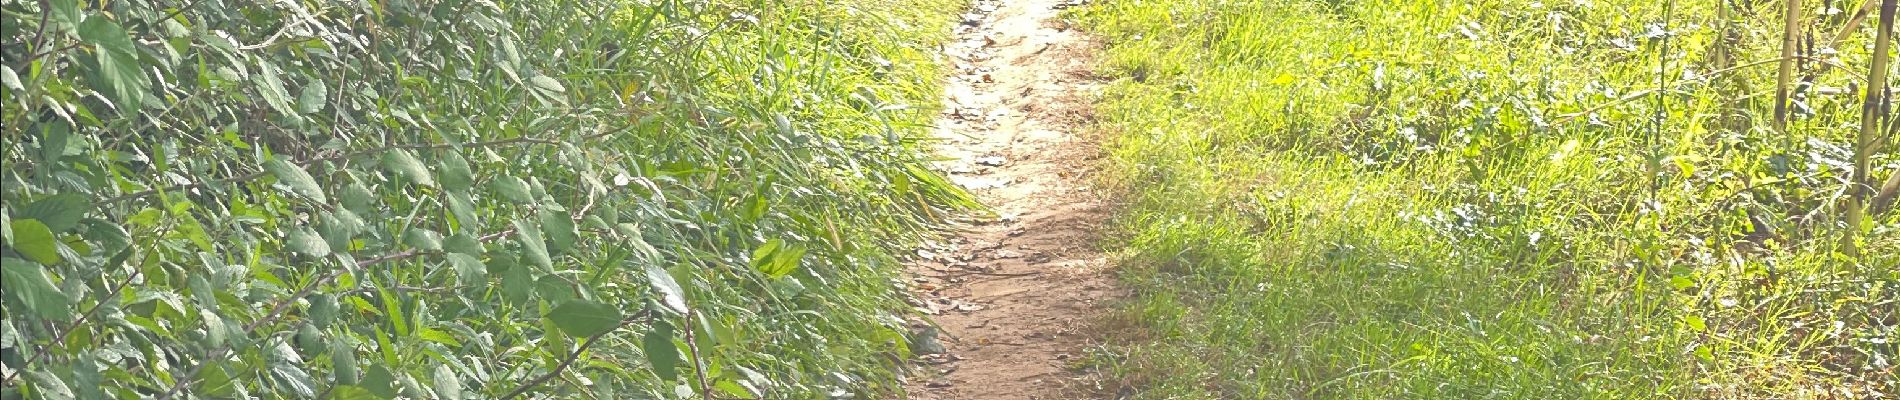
x=282, y=307
x=379, y=150
x=61, y=337
x=699, y=366
x=575, y=355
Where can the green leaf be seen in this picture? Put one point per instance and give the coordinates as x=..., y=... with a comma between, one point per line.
x=352, y=392
x=323, y=309
x=670, y=293
x=423, y=239
x=118, y=61
x=314, y=96
x=517, y=284
x=559, y=229
x=585, y=318
x=271, y=88
x=456, y=175
x=661, y=352
x=468, y=269
x=60, y=212
x=405, y=164
x=11, y=80
x=464, y=211
x=49, y=386
x=514, y=189
x=1696, y=323
x=306, y=241
x=464, y=244
x=447, y=386
x=66, y=12
x=33, y=240
x=380, y=381
x=295, y=178
x=548, y=84
x=30, y=285
x=530, y=236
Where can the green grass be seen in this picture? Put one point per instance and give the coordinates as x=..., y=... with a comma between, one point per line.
x=1399, y=199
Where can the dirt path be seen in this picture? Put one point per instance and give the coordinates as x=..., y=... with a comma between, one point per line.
x=1015, y=294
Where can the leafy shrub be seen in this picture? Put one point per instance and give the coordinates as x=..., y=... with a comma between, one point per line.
x=461, y=199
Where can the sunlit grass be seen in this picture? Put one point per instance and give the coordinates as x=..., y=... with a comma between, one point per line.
x=1379, y=199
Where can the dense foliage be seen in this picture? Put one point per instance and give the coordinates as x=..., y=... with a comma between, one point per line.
x=1470, y=199
x=460, y=198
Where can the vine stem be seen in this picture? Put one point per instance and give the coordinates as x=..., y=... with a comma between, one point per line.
x=565, y=362
x=699, y=365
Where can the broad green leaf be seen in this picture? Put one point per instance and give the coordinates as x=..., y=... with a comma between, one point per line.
x=514, y=189
x=314, y=96
x=216, y=381
x=463, y=243
x=585, y=318
x=358, y=198
x=405, y=164
x=33, y=240
x=423, y=239
x=271, y=88
x=661, y=352
x=468, y=269
x=380, y=381
x=456, y=175
x=343, y=364
x=292, y=377
x=295, y=178
x=60, y=212
x=119, y=70
x=66, y=13
x=529, y=233
x=554, y=289
x=670, y=293
x=549, y=84
x=87, y=380
x=339, y=227
x=30, y=285
x=49, y=386
x=352, y=392
x=323, y=309
x=464, y=211
x=560, y=231
x=306, y=241
x=517, y=284
x=447, y=385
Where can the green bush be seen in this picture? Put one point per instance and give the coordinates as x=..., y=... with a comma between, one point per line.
x=461, y=199
x=1491, y=199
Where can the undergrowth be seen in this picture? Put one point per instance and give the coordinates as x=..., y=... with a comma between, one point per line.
x=1491, y=199
x=462, y=199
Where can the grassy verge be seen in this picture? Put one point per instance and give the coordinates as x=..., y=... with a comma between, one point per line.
x=1488, y=199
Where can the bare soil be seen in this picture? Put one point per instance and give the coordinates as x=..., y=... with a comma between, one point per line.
x=1016, y=296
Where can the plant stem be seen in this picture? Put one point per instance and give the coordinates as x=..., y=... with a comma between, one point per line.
x=1861, y=187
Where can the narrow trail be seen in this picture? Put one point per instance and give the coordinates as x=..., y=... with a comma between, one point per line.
x=1016, y=295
